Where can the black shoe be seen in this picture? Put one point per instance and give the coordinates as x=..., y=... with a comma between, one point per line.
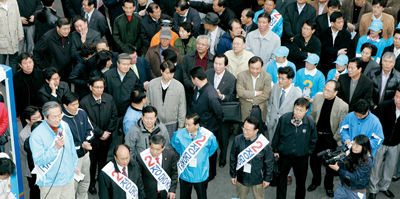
x=92, y=190
x=394, y=178
x=312, y=187
x=329, y=193
x=222, y=163
x=372, y=196
x=388, y=193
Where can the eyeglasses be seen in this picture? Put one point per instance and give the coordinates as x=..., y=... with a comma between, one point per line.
x=299, y=110
x=98, y=87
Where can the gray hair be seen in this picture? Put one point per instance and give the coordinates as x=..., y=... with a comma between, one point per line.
x=123, y=56
x=49, y=105
x=389, y=55
x=204, y=37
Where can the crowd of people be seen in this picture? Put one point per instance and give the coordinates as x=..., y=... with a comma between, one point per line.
x=138, y=95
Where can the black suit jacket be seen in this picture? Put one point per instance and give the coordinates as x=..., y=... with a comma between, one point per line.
x=97, y=22
x=293, y=22
x=92, y=36
x=254, y=26
x=363, y=90
x=323, y=23
x=189, y=62
x=225, y=17
x=391, y=49
x=329, y=50
x=44, y=94
x=143, y=69
x=192, y=17
x=108, y=189
x=148, y=28
x=227, y=86
x=169, y=164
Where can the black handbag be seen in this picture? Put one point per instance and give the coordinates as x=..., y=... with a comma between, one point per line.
x=4, y=138
x=275, y=173
x=231, y=111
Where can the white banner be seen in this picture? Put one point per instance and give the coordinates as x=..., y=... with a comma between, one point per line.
x=251, y=151
x=122, y=181
x=156, y=170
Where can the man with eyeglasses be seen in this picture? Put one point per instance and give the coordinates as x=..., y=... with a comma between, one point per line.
x=328, y=111
x=102, y=112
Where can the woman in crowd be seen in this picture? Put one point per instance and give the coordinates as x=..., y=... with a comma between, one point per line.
x=374, y=37
x=186, y=41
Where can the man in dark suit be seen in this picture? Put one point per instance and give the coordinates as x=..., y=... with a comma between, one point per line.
x=355, y=85
x=82, y=35
x=168, y=160
x=149, y=25
x=139, y=65
x=123, y=166
x=185, y=13
x=218, y=6
x=94, y=18
x=114, y=10
x=225, y=84
x=45, y=19
x=323, y=20
x=74, y=7
x=102, y=112
x=395, y=48
x=331, y=49
x=247, y=20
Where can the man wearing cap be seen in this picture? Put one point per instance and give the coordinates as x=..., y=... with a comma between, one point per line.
x=395, y=47
x=127, y=27
x=212, y=30
x=154, y=56
x=341, y=68
x=309, y=79
x=328, y=111
x=280, y=61
x=377, y=13
x=166, y=22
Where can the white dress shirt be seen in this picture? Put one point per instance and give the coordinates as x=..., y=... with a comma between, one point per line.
x=300, y=8
x=213, y=37
x=254, y=83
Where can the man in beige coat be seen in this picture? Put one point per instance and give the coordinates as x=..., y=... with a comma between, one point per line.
x=253, y=88
x=238, y=57
x=328, y=112
x=377, y=13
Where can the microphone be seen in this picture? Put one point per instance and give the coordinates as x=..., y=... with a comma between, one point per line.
x=59, y=131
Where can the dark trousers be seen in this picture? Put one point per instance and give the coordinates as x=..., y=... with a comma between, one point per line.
x=34, y=189
x=324, y=142
x=300, y=167
x=213, y=162
x=223, y=140
x=200, y=188
x=98, y=157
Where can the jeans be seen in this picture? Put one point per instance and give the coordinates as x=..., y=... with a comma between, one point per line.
x=29, y=37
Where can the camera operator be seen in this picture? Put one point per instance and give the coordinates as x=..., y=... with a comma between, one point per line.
x=354, y=170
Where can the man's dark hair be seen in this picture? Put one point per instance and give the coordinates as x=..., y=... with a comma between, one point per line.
x=91, y=2
x=182, y=4
x=129, y=1
x=361, y=106
x=152, y=7
x=117, y=147
x=29, y=111
x=264, y=15
x=311, y=23
x=162, y=20
x=380, y=2
x=102, y=58
x=158, y=139
x=302, y=102
x=194, y=116
x=398, y=88
x=335, y=15
x=69, y=97
x=138, y=94
x=129, y=49
x=254, y=121
x=221, y=55
x=170, y=55
x=96, y=79
x=77, y=18
x=334, y=4
x=47, y=3
x=223, y=3
x=337, y=84
x=63, y=21
x=187, y=26
x=373, y=48
x=100, y=41
x=25, y=55
x=250, y=13
x=255, y=59
x=149, y=109
x=168, y=64
x=396, y=31
x=288, y=71
x=35, y=124
x=49, y=72
x=241, y=37
x=7, y=167
x=230, y=24
x=357, y=61
x=198, y=72
x=87, y=49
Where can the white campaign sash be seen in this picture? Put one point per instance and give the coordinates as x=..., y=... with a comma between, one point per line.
x=251, y=151
x=121, y=180
x=275, y=17
x=193, y=149
x=156, y=170
x=41, y=171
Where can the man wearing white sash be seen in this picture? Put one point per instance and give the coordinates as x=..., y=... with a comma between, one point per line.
x=250, y=154
x=120, y=178
x=195, y=145
x=54, y=154
x=276, y=25
x=158, y=167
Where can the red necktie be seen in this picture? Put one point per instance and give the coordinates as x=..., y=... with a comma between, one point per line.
x=157, y=159
x=124, y=172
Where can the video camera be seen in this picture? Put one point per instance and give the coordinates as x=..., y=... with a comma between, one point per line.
x=332, y=157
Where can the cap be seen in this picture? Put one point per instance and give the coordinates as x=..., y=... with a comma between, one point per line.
x=398, y=26
x=312, y=58
x=211, y=18
x=282, y=51
x=341, y=60
x=376, y=25
x=165, y=33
